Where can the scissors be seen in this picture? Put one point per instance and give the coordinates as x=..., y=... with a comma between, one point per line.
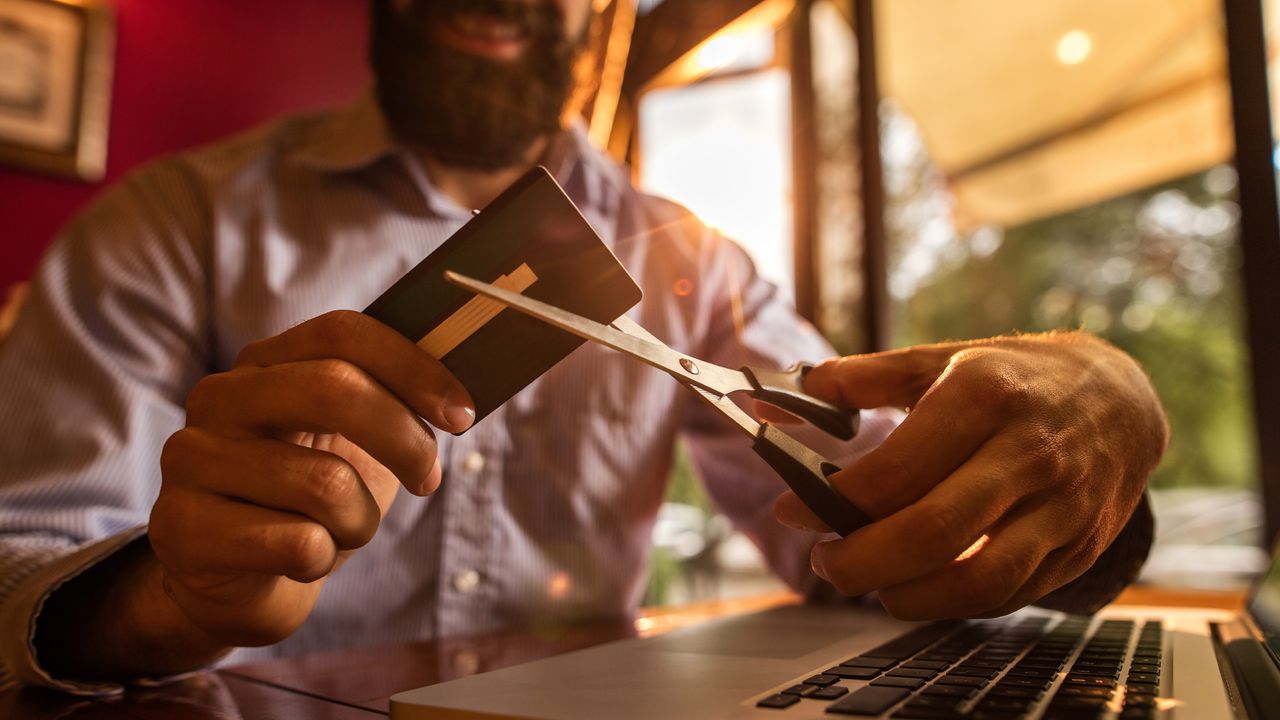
x=804, y=470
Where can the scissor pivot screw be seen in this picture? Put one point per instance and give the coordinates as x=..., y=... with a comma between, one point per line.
x=689, y=366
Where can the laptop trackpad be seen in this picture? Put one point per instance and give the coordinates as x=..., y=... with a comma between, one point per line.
x=785, y=633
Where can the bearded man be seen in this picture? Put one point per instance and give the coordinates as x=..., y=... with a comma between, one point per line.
x=208, y=460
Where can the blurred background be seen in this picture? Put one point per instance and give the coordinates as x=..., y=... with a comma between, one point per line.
x=907, y=171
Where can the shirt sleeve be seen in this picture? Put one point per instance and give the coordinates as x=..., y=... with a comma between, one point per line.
x=755, y=325
x=94, y=374
x=752, y=323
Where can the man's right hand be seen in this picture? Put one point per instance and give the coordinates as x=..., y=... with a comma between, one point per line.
x=288, y=463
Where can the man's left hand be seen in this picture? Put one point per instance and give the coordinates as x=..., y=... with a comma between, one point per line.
x=1020, y=460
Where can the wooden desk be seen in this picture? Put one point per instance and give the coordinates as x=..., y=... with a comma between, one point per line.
x=356, y=684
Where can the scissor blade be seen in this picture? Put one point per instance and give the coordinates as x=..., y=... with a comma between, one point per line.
x=719, y=380
x=727, y=408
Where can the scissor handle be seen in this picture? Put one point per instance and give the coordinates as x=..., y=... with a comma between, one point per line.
x=784, y=388
x=805, y=472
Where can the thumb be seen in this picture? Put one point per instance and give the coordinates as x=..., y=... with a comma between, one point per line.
x=894, y=378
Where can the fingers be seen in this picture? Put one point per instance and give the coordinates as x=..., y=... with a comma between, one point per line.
x=1015, y=566
x=1032, y=534
x=322, y=396
x=321, y=486
x=405, y=369
x=896, y=378
x=1001, y=443
x=930, y=533
x=948, y=425
x=237, y=538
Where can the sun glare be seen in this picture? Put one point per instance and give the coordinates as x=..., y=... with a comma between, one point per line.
x=717, y=52
x=722, y=149
x=975, y=548
x=1074, y=47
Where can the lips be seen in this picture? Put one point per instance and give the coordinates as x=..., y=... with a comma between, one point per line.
x=498, y=34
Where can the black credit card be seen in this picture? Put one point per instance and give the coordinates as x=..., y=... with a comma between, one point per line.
x=531, y=239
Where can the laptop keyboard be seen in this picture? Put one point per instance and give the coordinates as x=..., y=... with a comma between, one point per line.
x=996, y=670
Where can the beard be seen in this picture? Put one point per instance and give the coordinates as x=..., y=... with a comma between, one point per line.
x=463, y=110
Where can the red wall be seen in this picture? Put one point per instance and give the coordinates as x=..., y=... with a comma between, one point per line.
x=187, y=72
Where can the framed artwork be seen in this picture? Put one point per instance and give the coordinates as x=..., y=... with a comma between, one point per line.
x=55, y=85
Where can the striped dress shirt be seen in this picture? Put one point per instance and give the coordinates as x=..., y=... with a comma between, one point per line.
x=545, y=514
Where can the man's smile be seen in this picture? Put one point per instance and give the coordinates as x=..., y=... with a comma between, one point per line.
x=484, y=34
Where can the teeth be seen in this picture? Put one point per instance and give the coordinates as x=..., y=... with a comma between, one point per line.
x=487, y=28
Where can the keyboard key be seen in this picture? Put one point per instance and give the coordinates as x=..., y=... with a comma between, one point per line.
x=1098, y=663
x=1042, y=664
x=925, y=665
x=1033, y=672
x=1037, y=683
x=853, y=673
x=960, y=680
x=992, y=651
x=955, y=691
x=902, y=682
x=963, y=671
x=904, y=646
x=913, y=673
x=1078, y=702
x=871, y=662
x=801, y=690
x=990, y=713
x=1145, y=701
x=828, y=693
x=1004, y=704
x=1074, y=713
x=1089, y=680
x=1084, y=692
x=927, y=713
x=871, y=700
x=934, y=701
x=1144, y=678
x=1149, y=669
x=1112, y=673
x=779, y=701
x=823, y=680
x=1142, y=688
x=1013, y=691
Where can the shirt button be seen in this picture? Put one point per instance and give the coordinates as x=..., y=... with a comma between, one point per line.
x=466, y=581
x=473, y=462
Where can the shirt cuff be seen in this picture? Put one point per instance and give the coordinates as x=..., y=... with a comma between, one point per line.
x=21, y=609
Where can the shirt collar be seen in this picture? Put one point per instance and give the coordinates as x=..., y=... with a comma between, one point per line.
x=356, y=136
x=350, y=138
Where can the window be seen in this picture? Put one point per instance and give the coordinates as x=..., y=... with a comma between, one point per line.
x=1071, y=172
x=1045, y=166
x=713, y=133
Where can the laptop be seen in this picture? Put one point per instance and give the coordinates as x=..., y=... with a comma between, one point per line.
x=805, y=662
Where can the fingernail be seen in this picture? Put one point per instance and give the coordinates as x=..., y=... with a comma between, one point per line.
x=459, y=417
x=786, y=519
x=816, y=563
x=432, y=480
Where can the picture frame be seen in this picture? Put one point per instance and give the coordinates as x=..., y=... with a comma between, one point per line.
x=56, y=59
